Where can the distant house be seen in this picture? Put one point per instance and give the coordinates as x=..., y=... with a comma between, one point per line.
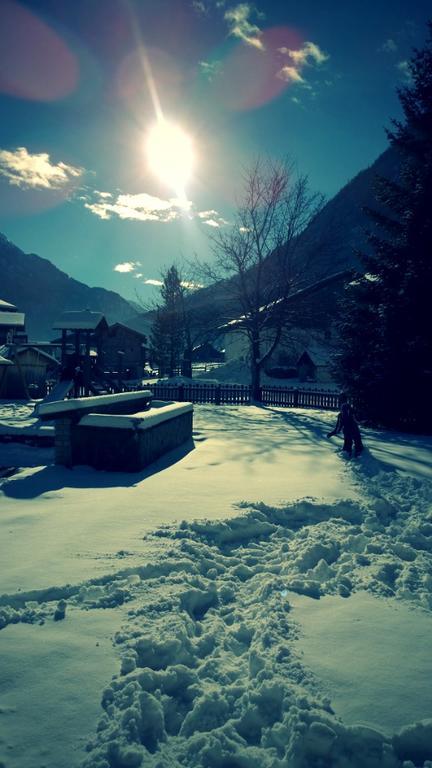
x=207, y=353
x=122, y=349
x=27, y=371
x=12, y=324
x=314, y=364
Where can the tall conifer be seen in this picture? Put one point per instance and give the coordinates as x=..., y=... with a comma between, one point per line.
x=385, y=358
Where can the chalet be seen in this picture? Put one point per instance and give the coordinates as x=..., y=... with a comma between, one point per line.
x=207, y=353
x=12, y=324
x=27, y=371
x=314, y=364
x=122, y=349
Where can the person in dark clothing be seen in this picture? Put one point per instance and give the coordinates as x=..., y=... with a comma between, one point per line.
x=347, y=424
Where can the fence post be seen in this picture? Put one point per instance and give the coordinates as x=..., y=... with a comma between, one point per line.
x=296, y=397
x=217, y=395
x=180, y=393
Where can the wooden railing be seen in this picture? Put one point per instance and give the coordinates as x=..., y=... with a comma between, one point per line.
x=240, y=394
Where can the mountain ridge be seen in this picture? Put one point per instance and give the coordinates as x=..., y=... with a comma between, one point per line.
x=43, y=291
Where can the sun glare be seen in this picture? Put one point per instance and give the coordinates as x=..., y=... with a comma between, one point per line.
x=170, y=156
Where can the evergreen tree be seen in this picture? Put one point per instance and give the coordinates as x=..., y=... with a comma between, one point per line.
x=167, y=334
x=385, y=358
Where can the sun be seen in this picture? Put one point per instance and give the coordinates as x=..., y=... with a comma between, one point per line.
x=170, y=155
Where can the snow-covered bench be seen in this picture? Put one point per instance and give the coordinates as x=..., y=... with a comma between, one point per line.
x=123, y=432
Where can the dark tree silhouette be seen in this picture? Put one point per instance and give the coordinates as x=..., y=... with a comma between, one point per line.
x=167, y=333
x=385, y=358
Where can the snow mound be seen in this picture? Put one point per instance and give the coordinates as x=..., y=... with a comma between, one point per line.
x=210, y=674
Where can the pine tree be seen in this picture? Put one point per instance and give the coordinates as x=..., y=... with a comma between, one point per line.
x=167, y=334
x=385, y=359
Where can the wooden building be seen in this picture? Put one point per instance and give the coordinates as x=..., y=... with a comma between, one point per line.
x=122, y=349
x=26, y=371
x=12, y=324
x=314, y=364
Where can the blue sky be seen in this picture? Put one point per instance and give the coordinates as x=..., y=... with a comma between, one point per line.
x=82, y=83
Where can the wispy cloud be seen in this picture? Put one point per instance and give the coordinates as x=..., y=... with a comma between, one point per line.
x=240, y=26
x=211, y=218
x=210, y=69
x=310, y=54
x=188, y=284
x=127, y=266
x=290, y=75
x=388, y=46
x=152, y=281
x=37, y=171
x=141, y=207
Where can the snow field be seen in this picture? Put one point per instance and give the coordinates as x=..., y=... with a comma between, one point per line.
x=205, y=615
x=211, y=673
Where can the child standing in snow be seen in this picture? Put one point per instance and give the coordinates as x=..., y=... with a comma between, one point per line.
x=347, y=424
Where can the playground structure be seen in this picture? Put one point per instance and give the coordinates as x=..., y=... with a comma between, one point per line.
x=120, y=432
x=96, y=358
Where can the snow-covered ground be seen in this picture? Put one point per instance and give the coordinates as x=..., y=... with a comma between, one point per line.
x=269, y=603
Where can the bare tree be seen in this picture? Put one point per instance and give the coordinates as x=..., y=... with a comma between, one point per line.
x=257, y=256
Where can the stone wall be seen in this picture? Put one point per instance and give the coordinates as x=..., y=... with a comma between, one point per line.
x=121, y=450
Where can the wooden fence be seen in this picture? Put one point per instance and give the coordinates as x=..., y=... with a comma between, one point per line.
x=240, y=394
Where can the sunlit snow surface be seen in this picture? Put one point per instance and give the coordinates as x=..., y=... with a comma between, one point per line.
x=211, y=657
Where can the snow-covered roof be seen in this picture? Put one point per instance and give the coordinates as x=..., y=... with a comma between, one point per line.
x=10, y=351
x=82, y=320
x=12, y=319
x=129, y=329
x=6, y=306
x=318, y=353
x=41, y=352
x=4, y=361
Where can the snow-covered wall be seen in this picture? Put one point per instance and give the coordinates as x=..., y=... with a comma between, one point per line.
x=120, y=442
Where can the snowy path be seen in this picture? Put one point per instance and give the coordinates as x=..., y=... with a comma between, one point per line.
x=206, y=613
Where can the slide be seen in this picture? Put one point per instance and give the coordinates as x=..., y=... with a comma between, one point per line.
x=59, y=392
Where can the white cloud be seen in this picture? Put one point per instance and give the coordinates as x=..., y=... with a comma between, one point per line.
x=240, y=26
x=150, y=281
x=309, y=53
x=211, y=218
x=207, y=214
x=141, y=207
x=28, y=171
x=290, y=75
x=211, y=223
x=389, y=46
x=191, y=286
x=126, y=266
x=145, y=207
